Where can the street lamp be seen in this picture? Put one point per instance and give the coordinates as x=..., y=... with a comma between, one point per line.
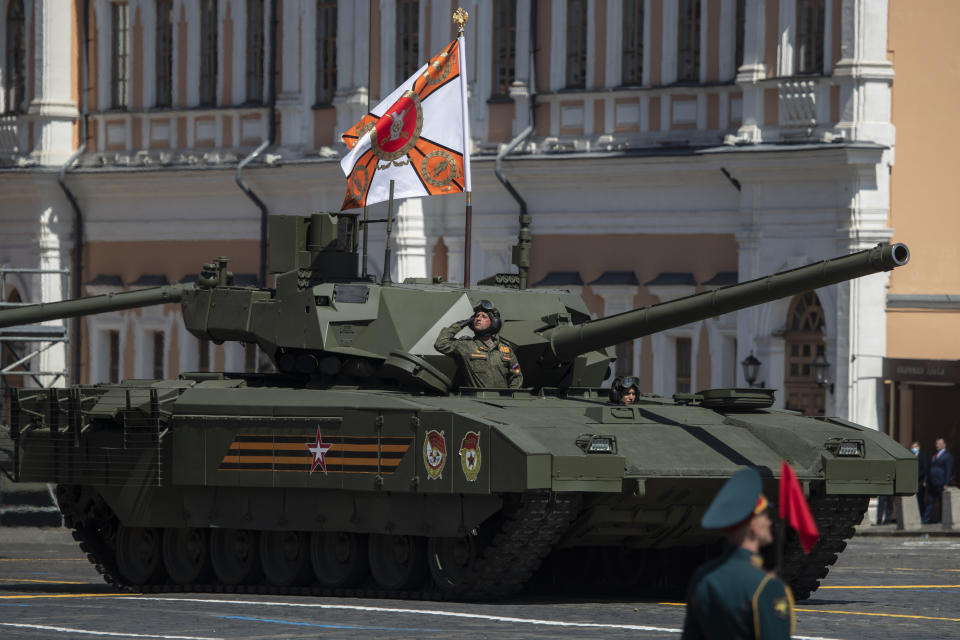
x=751, y=367
x=821, y=371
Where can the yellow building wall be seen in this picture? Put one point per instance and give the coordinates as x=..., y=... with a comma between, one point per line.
x=925, y=187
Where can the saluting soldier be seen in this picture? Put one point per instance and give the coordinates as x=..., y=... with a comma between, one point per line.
x=485, y=360
x=732, y=596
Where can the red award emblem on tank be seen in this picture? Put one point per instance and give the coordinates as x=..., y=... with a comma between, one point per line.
x=470, y=455
x=399, y=128
x=434, y=453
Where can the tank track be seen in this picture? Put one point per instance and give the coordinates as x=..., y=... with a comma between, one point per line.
x=524, y=534
x=836, y=517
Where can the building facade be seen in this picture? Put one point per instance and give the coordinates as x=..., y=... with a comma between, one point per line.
x=661, y=147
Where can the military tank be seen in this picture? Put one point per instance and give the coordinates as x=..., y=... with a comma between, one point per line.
x=362, y=467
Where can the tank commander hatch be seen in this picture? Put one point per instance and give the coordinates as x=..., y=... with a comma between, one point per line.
x=484, y=360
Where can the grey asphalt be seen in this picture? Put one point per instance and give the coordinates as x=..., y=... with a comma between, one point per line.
x=882, y=586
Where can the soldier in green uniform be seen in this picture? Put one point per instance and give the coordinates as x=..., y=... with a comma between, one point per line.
x=484, y=360
x=732, y=596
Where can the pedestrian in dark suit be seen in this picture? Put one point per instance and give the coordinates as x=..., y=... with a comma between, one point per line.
x=923, y=470
x=941, y=470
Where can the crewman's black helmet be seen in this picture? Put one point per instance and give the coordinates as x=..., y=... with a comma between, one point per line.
x=621, y=385
x=488, y=308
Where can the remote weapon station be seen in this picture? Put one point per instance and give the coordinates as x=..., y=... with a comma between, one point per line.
x=362, y=467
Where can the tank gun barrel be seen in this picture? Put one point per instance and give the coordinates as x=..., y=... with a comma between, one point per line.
x=566, y=342
x=93, y=305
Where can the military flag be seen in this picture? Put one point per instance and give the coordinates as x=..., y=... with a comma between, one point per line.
x=415, y=137
x=794, y=509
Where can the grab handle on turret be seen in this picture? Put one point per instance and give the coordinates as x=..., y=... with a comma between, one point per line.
x=567, y=342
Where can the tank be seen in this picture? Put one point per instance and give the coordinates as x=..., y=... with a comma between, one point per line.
x=362, y=466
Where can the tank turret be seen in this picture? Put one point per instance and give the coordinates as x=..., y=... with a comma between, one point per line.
x=322, y=320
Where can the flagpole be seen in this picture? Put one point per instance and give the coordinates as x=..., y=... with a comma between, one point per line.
x=387, y=278
x=366, y=219
x=460, y=17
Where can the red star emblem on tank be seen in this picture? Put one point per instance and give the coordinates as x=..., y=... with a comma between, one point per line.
x=319, y=450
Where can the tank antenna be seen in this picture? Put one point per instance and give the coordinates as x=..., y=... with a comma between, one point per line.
x=386, y=248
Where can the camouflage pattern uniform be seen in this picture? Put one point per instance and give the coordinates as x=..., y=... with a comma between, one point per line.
x=485, y=362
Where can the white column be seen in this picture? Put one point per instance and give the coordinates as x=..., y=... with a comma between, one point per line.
x=52, y=110
x=752, y=71
x=864, y=73
x=51, y=290
x=410, y=244
x=353, y=55
x=289, y=92
x=668, y=26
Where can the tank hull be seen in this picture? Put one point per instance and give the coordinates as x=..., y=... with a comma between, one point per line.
x=448, y=475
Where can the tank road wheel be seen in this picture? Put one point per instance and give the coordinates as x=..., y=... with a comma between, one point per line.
x=339, y=559
x=397, y=562
x=233, y=553
x=186, y=555
x=139, y=555
x=285, y=558
x=452, y=563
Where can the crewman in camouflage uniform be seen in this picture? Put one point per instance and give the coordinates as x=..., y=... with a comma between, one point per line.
x=732, y=596
x=484, y=360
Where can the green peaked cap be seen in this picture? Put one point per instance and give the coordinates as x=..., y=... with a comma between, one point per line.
x=735, y=500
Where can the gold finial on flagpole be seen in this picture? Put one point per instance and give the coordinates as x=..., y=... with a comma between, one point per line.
x=460, y=18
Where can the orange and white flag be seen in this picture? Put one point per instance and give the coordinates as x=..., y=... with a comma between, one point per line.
x=415, y=137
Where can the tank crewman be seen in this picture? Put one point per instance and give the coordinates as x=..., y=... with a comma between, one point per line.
x=732, y=596
x=625, y=390
x=485, y=360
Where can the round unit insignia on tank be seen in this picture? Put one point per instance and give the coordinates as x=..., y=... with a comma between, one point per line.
x=470, y=455
x=434, y=453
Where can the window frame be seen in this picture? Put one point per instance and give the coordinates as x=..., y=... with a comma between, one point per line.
x=688, y=24
x=632, y=26
x=15, y=74
x=325, y=50
x=809, y=45
x=163, y=55
x=575, y=57
x=254, y=51
x=503, y=58
x=209, y=53
x=120, y=55
x=407, y=41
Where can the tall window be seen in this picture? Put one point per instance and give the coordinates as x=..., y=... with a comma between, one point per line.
x=688, y=41
x=504, y=45
x=208, y=53
x=407, y=53
x=632, y=71
x=809, y=53
x=164, y=53
x=255, y=51
x=15, y=83
x=326, y=51
x=576, y=44
x=113, y=353
x=119, y=54
x=203, y=355
x=158, y=351
x=684, y=368
x=741, y=18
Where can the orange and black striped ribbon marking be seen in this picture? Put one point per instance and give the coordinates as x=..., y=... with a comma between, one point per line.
x=349, y=454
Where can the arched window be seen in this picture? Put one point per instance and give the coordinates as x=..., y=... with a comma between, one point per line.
x=576, y=63
x=804, y=342
x=631, y=73
x=407, y=53
x=119, y=54
x=326, y=51
x=15, y=83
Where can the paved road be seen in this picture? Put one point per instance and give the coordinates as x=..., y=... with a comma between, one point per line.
x=881, y=587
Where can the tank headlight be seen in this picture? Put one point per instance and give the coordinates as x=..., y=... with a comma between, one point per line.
x=597, y=444
x=849, y=449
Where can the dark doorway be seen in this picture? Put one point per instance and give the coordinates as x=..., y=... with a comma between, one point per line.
x=804, y=342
